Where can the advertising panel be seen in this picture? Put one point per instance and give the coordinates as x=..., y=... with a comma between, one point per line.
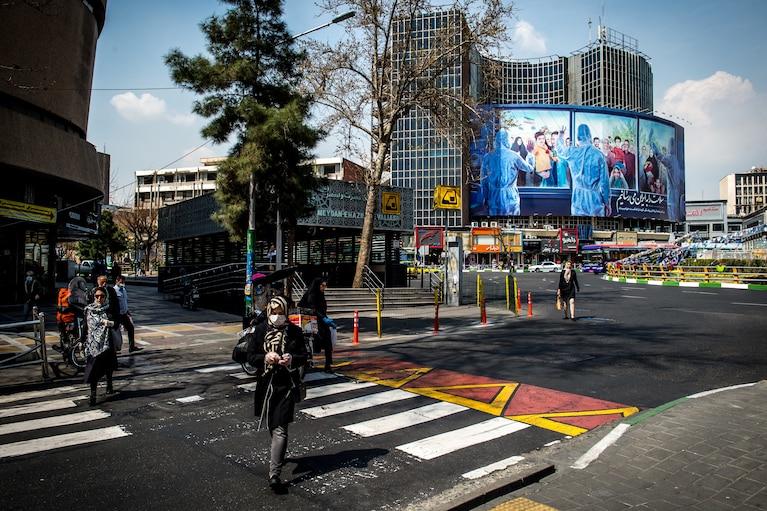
x=568, y=240
x=576, y=161
x=705, y=212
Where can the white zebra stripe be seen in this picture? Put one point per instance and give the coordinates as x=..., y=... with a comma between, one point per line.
x=489, y=469
x=337, y=388
x=359, y=403
x=403, y=420
x=58, y=441
x=51, y=422
x=445, y=443
x=228, y=367
x=34, y=394
x=43, y=406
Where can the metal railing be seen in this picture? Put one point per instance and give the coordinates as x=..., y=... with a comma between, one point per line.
x=437, y=282
x=221, y=279
x=38, y=334
x=299, y=285
x=705, y=274
x=371, y=281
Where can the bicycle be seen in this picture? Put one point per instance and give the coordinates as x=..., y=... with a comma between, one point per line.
x=72, y=348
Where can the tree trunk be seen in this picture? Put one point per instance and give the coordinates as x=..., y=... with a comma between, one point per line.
x=366, y=238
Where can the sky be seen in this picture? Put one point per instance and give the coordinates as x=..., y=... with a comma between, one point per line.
x=707, y=60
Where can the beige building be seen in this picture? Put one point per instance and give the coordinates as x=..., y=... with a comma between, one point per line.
x=745, y=192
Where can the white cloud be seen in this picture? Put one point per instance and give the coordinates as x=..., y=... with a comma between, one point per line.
x=148, y=108
x=723, y=128
x=527, y=41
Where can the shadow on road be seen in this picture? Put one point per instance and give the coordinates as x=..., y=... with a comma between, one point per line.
x=312, y=466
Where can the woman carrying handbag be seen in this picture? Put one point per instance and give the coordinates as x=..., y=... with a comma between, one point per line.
x=568, y=284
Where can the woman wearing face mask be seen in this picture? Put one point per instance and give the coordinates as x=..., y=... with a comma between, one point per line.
x=568, y=283
x=278, y=352
x=314, y=299
x=102, y=359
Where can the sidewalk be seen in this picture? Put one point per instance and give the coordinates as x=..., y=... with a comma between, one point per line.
x=703, y=452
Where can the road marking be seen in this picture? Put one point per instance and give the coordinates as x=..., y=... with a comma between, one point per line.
x=600, y=446
x=445, y=443
x=228, y=367
x=34, y=394
x=359, y=403
x=632, y=296
x=633, y=288
x=405, y=419
x=43, y=406
x=714, y=391
x=319, y=376
x=50, y=422
x=689, y=284
x=699, y=293
x=143, y=343
x=489, y=469
x=242, y=376
x=190, y=399
x=167, y=332
x=58, y=441
x=655, y=282
x=752, y=304
x=337, y=388
x=631, y=281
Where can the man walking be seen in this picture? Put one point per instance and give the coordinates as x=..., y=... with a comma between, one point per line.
x=33, y=290
x=124, y=317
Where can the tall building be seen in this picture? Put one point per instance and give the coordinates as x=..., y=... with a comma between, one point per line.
x=56, y=179
x=609, y=72
x=745, y=192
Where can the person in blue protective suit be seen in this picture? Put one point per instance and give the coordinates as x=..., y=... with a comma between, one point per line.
x=561, y=178
x=674, y=183
x=588, y=168
x=498, y=176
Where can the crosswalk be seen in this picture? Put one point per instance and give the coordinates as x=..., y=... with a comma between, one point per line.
x=42, y=420
x=333, y=397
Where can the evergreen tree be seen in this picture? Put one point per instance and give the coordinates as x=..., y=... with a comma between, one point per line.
x=249, y=90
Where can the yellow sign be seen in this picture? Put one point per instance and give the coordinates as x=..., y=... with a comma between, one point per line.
x=447, y=197
x=390, y=203
x=27, y=212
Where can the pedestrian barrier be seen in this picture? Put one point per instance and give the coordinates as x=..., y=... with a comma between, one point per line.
x=38, y=334
x=714, y=275
x=356, y=337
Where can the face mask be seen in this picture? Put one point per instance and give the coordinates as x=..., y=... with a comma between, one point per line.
x=28, y=280
x=277, y=319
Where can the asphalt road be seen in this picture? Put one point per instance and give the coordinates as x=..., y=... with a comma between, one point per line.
x=636, y=345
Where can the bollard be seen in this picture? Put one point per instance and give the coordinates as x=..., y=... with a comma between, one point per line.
x=436, y=311
x=508, y=295
x=378, y=311
x=483, y=312
x=356, y=337
x=519, y=301
x=529, y=304
x=479, y=290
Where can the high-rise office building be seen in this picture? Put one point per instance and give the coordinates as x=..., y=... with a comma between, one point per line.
x=745, y=192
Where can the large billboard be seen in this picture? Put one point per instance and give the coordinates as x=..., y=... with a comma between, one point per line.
x=577, y=161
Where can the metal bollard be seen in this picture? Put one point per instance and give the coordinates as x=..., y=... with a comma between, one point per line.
x=436, y=311
x=378, y=311
x=519, y=301
x=529, y=304
x=356, y=337
x=483, y=313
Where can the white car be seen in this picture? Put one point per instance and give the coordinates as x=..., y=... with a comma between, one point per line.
x=545, y=266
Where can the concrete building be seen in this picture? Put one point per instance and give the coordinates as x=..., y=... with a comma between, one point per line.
x=745, y=192
x=56, y=179
x=707, y=217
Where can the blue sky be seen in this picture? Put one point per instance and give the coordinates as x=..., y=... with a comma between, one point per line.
x=706, y=57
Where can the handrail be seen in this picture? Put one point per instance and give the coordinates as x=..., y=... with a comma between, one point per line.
x=38, y=333
x=714, y=273
x=371, y=280
x=299, y=284
x=436, y=281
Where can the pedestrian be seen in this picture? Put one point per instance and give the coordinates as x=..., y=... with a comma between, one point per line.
x=278, y=353
x=314, y=299
x=33, y=291
x=124, y=317
x=568, y=284
x=99, y=348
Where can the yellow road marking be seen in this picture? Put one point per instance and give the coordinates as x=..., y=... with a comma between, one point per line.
x=493, y=408
x=543, y=420
x=522, y=504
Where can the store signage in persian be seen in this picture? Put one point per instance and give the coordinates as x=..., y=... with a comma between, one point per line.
x=27, y=212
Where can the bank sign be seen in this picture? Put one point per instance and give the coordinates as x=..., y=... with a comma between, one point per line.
x=342, y=204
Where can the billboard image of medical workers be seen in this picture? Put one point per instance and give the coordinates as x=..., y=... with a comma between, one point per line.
x=615, y=137
x=662, y=169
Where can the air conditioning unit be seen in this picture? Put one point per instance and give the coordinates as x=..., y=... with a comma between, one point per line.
x=475, y=224
x=493, y=224
x=484, y=224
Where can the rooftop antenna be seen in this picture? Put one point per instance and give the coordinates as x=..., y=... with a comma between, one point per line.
x=588, y=22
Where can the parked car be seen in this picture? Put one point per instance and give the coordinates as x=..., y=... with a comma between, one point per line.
x=545, y=266
x=85, y=268
x=593, y=267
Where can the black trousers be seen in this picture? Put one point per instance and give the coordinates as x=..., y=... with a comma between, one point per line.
x=127, y=322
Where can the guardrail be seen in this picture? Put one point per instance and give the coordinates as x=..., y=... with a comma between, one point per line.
x=700, y=274
x=221, y=279
x=38, y=334
x=371, y=281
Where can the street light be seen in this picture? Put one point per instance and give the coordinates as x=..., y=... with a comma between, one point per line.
x=252, y=209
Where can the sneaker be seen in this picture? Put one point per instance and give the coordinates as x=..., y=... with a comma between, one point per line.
x=274, y=483
x=135, y=348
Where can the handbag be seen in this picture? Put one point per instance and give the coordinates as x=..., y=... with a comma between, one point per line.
x=559, y=301
x=116, y=338
x=240, y=351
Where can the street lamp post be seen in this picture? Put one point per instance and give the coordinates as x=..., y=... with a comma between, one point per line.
x=251, y=236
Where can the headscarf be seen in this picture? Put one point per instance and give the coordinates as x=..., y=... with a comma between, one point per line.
x=98, y=333
x=274, y=339
x=314, y=298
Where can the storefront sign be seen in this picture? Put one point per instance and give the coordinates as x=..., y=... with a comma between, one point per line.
x=27, y=212
x=550, y=246
x=568, y=240
x=626, y=238
x=430, y=237
x=390, y=203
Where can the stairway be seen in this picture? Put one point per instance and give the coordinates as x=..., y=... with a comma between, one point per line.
x=342, y=300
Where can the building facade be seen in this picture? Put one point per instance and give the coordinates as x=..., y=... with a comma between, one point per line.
x=708, y=218
x=58, y=179
x=745, y=192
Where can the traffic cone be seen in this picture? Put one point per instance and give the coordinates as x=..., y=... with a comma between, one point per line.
x=356, y=336
x=529, y=304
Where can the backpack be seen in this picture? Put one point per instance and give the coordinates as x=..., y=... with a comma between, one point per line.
x=64, y=313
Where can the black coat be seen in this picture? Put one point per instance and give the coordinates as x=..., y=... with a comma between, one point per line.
x=279, y=381
x=567, y=289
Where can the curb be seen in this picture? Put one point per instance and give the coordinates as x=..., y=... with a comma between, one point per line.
x=474, y=497
x=675, y=283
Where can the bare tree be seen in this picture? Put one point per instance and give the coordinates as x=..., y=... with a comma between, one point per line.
x=142, y=226
x=388, y=65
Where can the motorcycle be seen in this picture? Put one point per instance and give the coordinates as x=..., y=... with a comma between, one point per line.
x=190, y=298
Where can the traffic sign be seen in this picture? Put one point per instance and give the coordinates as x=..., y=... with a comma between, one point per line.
x=27, y=212
x=447, y=197
x=390, y=203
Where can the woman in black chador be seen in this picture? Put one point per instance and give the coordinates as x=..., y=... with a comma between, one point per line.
x=568, y=284
x=314, y=299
